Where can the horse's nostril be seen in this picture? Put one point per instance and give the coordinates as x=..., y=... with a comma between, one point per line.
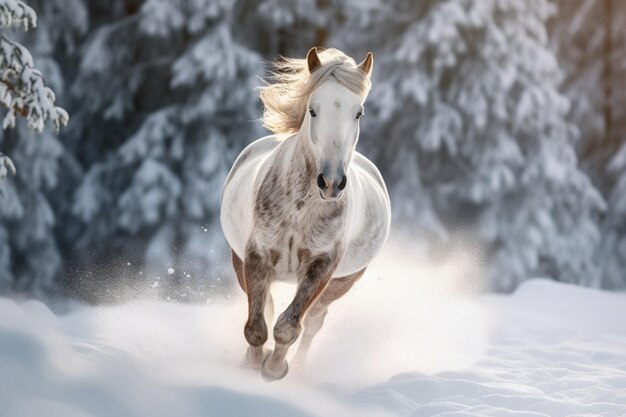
x=321, y=182
x=342, y=184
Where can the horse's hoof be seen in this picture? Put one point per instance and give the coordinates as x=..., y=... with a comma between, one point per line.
x=254, y=357
x=271, y=376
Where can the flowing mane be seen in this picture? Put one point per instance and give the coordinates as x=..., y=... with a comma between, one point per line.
x=286, y=95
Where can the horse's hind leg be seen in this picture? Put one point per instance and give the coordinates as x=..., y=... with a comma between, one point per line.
x=314, y=318
x=238, y=266
x=312, y=323
x=257, y=273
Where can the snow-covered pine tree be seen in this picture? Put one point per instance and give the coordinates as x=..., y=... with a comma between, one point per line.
x=589, y=37
x=470, y=131
x=577, y=35
x=611, y=255
x=172, y=102
x=286, y=27
x=29, y=256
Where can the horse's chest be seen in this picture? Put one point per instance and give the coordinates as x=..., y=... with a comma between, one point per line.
x=293, y=235
x=289, y=231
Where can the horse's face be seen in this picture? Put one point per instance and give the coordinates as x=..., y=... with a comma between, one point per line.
x=333, y=122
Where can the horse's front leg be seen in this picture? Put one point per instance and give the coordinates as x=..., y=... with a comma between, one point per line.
x=318, y=272
x=258, y=275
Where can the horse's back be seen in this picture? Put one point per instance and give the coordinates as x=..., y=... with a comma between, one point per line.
x=237, y=205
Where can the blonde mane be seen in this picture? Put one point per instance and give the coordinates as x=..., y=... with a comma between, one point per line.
x=285, y=97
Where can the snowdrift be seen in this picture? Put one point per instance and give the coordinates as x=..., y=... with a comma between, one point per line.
x=547, y=350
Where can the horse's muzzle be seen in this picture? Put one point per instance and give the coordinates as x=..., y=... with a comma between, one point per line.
x=331, y=189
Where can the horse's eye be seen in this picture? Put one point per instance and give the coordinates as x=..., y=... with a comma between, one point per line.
x=358, y=115
x=312, y=113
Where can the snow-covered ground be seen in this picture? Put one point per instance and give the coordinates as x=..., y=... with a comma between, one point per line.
x=408, y=341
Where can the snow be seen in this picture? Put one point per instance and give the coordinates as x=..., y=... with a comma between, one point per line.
x=553, y=350
x=411, y=339
x=16, y=13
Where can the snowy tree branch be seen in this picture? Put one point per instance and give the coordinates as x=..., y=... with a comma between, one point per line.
x=6, y=166
x=15, y=12
x=22, y=87
x=23, y=90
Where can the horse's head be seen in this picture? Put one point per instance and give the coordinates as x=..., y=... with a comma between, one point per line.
x=321, y=97
x=332, y=120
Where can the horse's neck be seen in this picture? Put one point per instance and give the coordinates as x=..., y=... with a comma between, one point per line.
x=299, y=163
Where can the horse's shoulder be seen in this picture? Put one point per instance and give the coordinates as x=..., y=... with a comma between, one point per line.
x=257, y=148
x=368, y=166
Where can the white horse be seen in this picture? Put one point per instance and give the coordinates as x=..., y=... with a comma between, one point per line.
x=303, y=204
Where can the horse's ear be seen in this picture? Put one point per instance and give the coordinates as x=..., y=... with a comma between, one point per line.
x=312, y=60
x=367, y=64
